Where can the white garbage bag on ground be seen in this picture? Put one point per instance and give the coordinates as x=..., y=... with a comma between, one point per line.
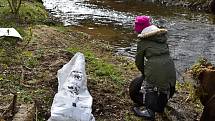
x=73, y=101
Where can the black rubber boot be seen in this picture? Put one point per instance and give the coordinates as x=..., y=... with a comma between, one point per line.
x=147, y=114
x=134, y=90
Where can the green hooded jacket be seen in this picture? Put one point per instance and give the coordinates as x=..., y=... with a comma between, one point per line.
x=159, y=69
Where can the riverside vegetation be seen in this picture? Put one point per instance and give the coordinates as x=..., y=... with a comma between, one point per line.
x=28, y=68
x=199, y=5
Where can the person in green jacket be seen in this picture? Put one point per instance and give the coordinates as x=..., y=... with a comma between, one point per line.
x=157, y=67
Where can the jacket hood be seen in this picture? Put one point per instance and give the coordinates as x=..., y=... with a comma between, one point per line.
x=153, y=33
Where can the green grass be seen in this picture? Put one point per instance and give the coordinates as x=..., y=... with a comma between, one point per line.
x=99, y=68
x=29, y=13
x=13, y=54
x=33, y=12
x=29, y=59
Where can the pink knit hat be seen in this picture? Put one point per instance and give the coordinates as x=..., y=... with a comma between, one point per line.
x=141, y=22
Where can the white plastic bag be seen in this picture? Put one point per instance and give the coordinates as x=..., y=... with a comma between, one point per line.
x=73, y=101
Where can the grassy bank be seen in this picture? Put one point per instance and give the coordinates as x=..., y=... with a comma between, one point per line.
x=13, y=52
x=30, y=12
x=15, y=58
x=29, y=67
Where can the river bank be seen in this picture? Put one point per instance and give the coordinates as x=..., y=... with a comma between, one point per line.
x=199, y=5
x=30, y=67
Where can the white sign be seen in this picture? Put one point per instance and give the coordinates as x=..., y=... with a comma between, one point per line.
x=9, y=32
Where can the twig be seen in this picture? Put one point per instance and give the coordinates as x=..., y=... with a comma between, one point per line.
x=36, y=114
x=17, y=9
x=22, y=75
x=11, y=7
x=14, y=104
x=28, y=39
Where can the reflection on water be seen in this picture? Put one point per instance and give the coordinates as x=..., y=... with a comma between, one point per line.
x=191, y=34
x=71, y=12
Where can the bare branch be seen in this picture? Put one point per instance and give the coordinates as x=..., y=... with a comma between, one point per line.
x=11, y=7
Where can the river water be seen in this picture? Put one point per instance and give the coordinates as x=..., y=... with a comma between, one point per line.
x=191, y=34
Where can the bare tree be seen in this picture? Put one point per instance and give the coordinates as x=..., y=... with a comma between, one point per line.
x=14, y=5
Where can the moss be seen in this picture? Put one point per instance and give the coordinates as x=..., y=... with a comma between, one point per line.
x=198, y=67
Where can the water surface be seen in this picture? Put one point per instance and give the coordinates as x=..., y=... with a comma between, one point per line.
x=191, y=34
